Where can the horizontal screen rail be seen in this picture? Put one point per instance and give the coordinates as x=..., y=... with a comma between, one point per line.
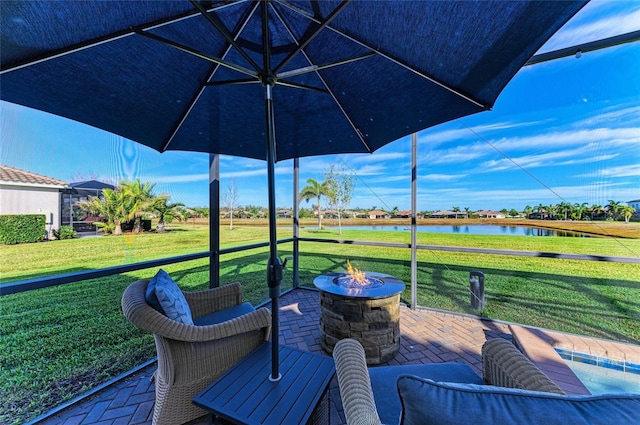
x=557, y=255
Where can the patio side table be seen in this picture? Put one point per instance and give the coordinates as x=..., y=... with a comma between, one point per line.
x=245, y=395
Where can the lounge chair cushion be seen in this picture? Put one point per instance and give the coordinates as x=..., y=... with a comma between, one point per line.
x=426, y=402
x=385, y=392
x=164, y=295
x=224, y=315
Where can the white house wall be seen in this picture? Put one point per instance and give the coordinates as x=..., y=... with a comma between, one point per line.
x=32, y=200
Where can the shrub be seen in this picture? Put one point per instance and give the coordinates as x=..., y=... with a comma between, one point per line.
x=65, y=232
x=21, y=228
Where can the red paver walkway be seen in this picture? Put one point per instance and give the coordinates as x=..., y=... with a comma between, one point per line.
x=428, y=336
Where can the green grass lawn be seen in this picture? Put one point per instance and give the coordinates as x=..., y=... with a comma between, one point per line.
x=58, y=342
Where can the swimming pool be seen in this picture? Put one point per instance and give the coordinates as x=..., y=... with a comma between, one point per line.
x=603, y=376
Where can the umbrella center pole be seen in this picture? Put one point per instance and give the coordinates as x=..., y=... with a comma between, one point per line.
x=274, y=266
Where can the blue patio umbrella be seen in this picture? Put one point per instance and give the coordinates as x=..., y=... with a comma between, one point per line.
x=268, y=79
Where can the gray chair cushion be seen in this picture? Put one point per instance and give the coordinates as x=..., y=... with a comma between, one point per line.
x=385, y=390
x=164, y=295
x=224, y=315
x=425, y=402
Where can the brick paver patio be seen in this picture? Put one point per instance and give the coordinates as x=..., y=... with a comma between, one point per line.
x=428, y=336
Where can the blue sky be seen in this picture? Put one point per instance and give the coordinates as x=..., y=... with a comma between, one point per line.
x=566, y=130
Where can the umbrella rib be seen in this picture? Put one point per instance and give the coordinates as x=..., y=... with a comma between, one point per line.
x=166, y=144
x=409, y=68
x=300, y=86
x=99, y=40
x=328, y=90
x=196, y=53
x=231, y=82
x=303, y=43
x=208, y=83
x=346, y=115
x=386, y=56
x=313, y=68
x=222, y=29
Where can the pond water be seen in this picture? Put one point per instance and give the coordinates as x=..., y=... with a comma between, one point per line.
x=471, y=229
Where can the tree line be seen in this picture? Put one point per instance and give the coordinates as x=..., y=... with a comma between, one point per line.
x=614, y=210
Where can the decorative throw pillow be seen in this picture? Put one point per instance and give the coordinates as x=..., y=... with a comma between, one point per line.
x=425, y=402
x=150, y=293
x=164, y=295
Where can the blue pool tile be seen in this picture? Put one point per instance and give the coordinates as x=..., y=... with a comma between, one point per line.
x=611, y=364
x=632, y=368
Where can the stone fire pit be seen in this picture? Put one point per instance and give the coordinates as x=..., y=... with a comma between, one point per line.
x=368, y=313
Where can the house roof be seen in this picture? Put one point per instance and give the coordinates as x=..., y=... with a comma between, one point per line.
x=11, y=175
x=91, y=184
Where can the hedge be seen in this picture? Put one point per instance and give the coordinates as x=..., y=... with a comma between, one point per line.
x=22, y=228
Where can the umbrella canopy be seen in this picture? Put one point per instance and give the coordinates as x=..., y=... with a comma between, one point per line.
x=349, y=76
x=234, y=77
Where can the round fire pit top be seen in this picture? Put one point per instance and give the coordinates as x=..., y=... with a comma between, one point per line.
x=329, y=283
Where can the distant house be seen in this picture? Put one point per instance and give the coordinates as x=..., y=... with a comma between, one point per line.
x=24, y=192
x=284, y=214
x=403, y=214
x=378, y=214
x=538, y=215
x=71, y=214
x=636, y=205
x=448, y=214
x=489, y=214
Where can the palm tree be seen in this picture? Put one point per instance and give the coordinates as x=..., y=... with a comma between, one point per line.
x=613, y=208
x=579, y=211
x=111, y=207
x=596, y=211
x=139, y=198
x=564, y=208
x=626, y=211
x=315, y=190
x=167, y=212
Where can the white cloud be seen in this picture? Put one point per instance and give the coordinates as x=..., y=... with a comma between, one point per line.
x=182, y=178
x=548, y=159
x=371, y=170
x=627, y=115
x=239, y=173
x=597, y=20
x=390, y=179
x=375, y=157
x=442, y=177
x=570, y=137
x=456, y=155
x=632, y=170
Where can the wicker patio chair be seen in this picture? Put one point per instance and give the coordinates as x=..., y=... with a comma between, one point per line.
x=190, y=356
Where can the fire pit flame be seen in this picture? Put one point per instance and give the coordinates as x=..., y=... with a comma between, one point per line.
x=357, y=279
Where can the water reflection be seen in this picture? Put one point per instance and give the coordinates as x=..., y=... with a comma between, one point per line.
x=484, y=229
